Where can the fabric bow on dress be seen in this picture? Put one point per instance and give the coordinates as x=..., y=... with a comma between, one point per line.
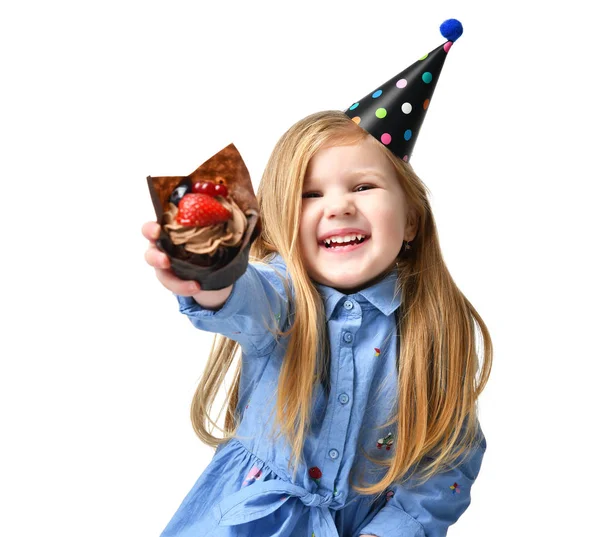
x=263, y=498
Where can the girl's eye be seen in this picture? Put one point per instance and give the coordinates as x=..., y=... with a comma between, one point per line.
x=310, y=195
x=362, y=188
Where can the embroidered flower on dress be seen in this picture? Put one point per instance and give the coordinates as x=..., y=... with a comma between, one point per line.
x=455, y=488
x=389, y=495
x=253, y=475
x=377, y=352
x=315, y=474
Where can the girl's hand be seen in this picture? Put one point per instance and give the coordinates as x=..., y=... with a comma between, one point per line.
x=159, y=260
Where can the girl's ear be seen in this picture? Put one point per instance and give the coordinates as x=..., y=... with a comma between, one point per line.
x=412, y=225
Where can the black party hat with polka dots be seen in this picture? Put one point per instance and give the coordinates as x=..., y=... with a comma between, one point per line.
x=395, y=111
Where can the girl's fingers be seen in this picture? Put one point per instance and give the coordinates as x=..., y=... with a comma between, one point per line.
x=175, y=285
x=157, y=259
x=151, y=231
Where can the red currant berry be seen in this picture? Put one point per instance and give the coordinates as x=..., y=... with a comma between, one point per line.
x=221, y=190
x=204, y=188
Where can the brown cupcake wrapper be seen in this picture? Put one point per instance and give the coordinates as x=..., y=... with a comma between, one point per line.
x=217, y=277
x=230, y=263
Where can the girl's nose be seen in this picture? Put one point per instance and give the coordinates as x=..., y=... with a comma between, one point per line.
x=339, y=206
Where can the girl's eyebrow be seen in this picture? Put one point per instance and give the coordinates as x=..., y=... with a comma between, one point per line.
x=352, y=175
x=360, y=173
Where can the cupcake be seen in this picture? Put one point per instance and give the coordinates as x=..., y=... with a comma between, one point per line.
x=208, y=220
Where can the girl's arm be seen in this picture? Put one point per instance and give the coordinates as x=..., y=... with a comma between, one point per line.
x=213, y=300
x=255, y=308
x=427, y=510
x=249, y=311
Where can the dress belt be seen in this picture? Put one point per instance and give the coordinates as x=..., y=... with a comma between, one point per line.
x=264, y=497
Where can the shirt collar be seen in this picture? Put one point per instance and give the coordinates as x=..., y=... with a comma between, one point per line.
x=382, y=295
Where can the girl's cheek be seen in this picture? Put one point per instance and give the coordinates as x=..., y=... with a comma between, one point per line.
x=380, y=206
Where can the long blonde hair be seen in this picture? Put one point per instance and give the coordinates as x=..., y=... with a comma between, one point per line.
x=439, y=377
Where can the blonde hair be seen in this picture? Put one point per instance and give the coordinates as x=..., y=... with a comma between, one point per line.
x=439, y=377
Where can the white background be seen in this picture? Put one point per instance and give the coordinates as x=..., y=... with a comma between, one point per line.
x=98, y=366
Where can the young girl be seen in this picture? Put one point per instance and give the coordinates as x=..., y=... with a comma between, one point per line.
x=353, y=409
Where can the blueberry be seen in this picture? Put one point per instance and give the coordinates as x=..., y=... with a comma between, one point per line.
x=178, y=193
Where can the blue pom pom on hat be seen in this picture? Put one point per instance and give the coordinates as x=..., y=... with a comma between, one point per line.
x=393, y=113
x=451, y=29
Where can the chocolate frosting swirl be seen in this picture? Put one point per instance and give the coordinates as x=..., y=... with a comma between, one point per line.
x=206, y=240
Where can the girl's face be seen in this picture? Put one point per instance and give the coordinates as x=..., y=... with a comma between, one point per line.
x=354, y=216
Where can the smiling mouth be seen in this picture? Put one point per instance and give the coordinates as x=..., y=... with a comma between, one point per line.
x=345, y=245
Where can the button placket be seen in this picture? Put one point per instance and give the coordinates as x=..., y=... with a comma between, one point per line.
x=345, y=322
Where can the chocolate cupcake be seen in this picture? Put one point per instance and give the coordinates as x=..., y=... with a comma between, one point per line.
x=208, y=220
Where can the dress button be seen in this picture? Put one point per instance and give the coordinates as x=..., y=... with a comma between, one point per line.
x=348, y=305
x=343, y=398
x=347, y=337
x=333, y=453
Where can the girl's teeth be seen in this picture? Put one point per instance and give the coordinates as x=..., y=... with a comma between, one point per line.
x=341, y=240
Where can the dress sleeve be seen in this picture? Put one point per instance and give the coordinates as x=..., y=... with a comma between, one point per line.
x=255, y=309
x=428, y=509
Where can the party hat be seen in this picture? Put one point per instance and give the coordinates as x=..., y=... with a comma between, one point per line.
x=395, y=111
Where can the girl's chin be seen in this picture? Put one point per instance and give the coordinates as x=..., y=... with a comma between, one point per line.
x=347, y=283
x=350, y=280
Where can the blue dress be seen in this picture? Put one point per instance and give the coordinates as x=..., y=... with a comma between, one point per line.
x=248, y=489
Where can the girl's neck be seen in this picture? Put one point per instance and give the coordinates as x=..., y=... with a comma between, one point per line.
x=366, y=285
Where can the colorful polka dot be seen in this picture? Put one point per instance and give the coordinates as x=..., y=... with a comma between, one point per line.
x=386, y=138
x=356, y=119
x=401, y=83
x=447, y=46
x=407, y=134
x=354, y=106
x=377, y=94
x=425, y=104
x=405, y=158
x=407, y=108
x=427, y=77
x=423, y=57
x=381, y=113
